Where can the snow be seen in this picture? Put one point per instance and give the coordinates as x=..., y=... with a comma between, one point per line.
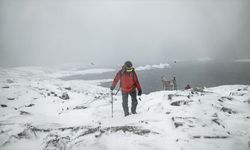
x=215, y=118
x=150, y=67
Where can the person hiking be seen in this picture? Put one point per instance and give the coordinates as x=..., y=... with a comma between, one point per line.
x=188, y=87
x=128, y=83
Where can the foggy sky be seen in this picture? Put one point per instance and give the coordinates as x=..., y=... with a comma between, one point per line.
x=40, y=32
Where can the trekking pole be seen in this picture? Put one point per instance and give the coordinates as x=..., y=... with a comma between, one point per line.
x=112, y=103
x=117, y=91
x=112, y=100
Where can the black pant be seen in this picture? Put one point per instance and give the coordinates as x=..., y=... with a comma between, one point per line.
x=125, y=102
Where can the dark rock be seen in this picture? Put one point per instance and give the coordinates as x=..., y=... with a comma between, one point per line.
x=5, y=87
x=132, y=129
x=3, y=105
x=24, y=113
x=181, y=121
x=100, y=133
x=227, y=98
x=177, y=103
x=57, y=143
x=220, y=100
x=90, y=131
x=80, y=107
x=143, y=122
x=172, y=118
x=30, y=105
x=11, y=98
x=67, y=88
x=218, y=122
x=204, y=125
x=52, y=92
x=215, y=115
x=210, y=137
x=247, y=101
x=178, y=124
x=198, y=89
x=48, y=94
x=97, y=97
x=185, y=118
x=22, y=135
x=25, y=134
x=228, y=110
x=170, y=96
x=64, y=96
x=237, y=93
x=181, y=102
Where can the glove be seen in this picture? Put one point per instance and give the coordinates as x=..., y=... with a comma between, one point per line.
x=112, y=88
x=139, y=93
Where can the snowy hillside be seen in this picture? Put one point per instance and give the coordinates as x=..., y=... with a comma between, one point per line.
x=40, y=112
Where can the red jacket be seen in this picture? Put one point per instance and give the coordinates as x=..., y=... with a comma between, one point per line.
x=128, y=81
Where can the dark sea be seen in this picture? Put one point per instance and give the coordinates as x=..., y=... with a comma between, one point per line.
x=196, y=74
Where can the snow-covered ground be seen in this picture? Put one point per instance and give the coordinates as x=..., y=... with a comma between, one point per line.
x=35, y=116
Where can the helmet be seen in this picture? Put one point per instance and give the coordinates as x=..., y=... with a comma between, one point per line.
x=128, y=64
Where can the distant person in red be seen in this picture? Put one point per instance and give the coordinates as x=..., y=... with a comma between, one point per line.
x=187, y=87
x=128, y=83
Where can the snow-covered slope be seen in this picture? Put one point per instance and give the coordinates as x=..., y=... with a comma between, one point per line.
x=34, y=115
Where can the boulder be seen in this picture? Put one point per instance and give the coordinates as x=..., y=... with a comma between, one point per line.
x=3, y=105
x=65, y=96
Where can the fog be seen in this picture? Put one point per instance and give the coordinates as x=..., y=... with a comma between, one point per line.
x=45, y=32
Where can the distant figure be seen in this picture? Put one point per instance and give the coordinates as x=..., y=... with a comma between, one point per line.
x=128, y=83
x=174, y=83
x=167, y=85
x=163, y=80
x=187, y=87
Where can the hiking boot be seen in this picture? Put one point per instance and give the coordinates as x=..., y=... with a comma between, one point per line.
x=134, y=112
x=126, y=114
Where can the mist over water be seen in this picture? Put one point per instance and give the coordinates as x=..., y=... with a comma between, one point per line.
x=208, y=74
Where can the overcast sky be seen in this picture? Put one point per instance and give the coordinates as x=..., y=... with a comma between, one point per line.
x=40, y=32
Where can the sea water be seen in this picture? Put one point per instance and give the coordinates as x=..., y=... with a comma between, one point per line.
x=196, y=74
